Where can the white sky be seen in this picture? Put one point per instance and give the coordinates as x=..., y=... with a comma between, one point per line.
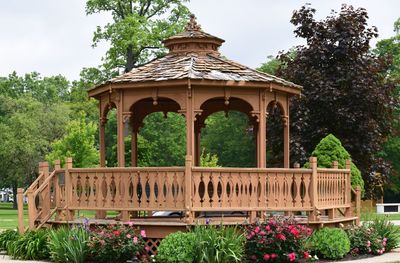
x=54, y=36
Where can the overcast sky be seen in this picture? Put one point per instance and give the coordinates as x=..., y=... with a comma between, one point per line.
x=54, y=36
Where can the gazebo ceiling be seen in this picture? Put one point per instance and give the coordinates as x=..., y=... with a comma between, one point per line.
x=193, y=55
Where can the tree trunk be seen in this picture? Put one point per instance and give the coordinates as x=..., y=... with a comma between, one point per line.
x=130, y=60
x=14, y=190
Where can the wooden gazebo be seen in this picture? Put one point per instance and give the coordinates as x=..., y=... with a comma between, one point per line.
x=194, y=80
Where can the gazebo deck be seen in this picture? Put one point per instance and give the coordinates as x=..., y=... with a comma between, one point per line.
x=315, y=196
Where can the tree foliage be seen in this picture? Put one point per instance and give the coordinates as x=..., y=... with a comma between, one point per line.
x=78, y=143
x=137, y=29
x=345, y=90
x=230, y=138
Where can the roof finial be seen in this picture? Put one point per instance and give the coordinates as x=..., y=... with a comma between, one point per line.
x=192, y=24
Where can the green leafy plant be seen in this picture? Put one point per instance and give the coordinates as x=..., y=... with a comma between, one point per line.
x=387, y=231
x=6, y=237
x=115, y=243
x=365, y=240
x=68, y=244
x=330, y=243
x=330, y=149
x=218, y=244
x=177, y=247
x=31, y=245
x=278, y=240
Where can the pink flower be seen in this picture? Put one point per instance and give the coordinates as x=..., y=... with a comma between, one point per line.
x=266, y=257
x=292, y=256
x=128, y=236
x=274, y=256
x=380, y=252
x=368, y=243
x=257, y=230
x=306, y=255
x=385, y=239
x=135, y=240
x=143, y=233
x=116, y=233
x=262, y=233
x=102, y=242
x=130, y=223
x=281, y=236
x=268, y=228
x=253, y=257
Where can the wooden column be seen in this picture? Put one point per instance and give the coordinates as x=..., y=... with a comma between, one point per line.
x=134, y=153
x=20, y=203
x=286, y=142
x=262, y=131
x=189, y=154
x=197, y=133
x=120, y=132
x=102, y=141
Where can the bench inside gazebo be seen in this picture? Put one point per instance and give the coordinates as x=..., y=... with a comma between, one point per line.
x=195, y=81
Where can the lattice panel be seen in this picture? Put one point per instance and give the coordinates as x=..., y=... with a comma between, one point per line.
x=152, y=245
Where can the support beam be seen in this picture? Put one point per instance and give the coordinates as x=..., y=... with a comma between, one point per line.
x=286, y=142
x=197, y=134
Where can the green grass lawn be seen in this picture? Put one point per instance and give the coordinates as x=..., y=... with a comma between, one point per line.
x=9, y=216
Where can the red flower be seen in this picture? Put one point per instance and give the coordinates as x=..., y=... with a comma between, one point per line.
x=292, y=257
x=266, y=257
x=295, y=232
x=306, y=255
x=274, y=256
x=257, y=229
x=281, y=236
x=116, y=233
x=268, y=228
x=253, y=257
x=262, y=233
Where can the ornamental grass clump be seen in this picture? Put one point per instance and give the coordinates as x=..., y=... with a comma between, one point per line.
x=387, y=231
x=68, y=244
x=277, y=240
x=32, y=245
x=115, y=243
x=330, y=243
x=7, y=237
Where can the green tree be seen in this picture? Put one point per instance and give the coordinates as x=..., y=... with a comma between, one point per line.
x=391, y=48
x=137, y=29
x=78, y=143
x=22, y=143
x=231, y=139
x=330, y=149
x=345, y=90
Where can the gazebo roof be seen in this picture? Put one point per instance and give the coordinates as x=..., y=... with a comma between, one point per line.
x=193, y=54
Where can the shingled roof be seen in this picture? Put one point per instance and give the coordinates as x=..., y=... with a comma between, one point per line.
x=194, y=55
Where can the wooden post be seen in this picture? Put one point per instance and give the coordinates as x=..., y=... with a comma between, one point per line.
x=188, y=189
x=46, y=192
x=20, y=203
x=31, y=209
x=314, y=188
x=335, y=165
x=197, y=148
x=120, y=133
x=262, y=131
x=134, y=153
x=286, y=142
x=69, y=215
x=358, y=204
x=102, y=141
x=57, y=165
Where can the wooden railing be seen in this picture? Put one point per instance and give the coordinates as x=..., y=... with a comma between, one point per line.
x=252, y=191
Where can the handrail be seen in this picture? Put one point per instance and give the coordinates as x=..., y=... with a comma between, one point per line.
x=33, y=185
x=45, y=183
x=249, y=170
x=125, y=169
